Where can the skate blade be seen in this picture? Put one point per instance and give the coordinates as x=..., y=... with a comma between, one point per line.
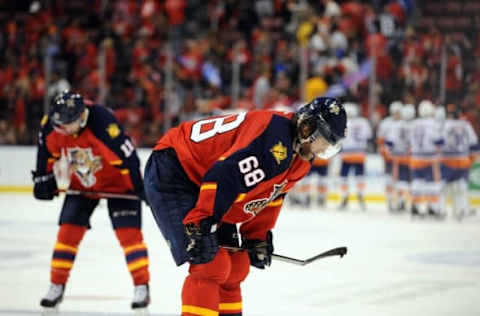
x=141, y=311
x=48, y=311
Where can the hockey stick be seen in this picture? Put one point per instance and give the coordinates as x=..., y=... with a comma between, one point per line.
x=102, y=194
x=340, y=251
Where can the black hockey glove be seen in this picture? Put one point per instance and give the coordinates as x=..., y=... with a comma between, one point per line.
x=260, y=252
x=45, y=186
x=202, y=241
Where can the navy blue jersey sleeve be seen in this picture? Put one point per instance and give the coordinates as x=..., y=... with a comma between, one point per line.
x=267, y=156
x=107, y=129
x=45, y=158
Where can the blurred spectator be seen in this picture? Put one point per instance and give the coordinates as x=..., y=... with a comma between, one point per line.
x=150, y=59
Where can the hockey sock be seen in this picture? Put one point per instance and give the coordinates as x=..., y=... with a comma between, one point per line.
x=64, y=252
x=131, y=240
x=230, y=291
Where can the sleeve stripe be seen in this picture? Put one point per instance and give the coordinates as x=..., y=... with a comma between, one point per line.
x=115, y=162
x=208, y=186
x=276, y=202
x=240, y=197
x=124, y=171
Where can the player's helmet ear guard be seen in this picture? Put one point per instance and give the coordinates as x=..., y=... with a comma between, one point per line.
x=323, y=117
x=66, y=108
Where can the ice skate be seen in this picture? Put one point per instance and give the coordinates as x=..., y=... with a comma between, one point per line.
x=52, y=300
x=436, y=214
x=321, y=201
x=344, y=204
x=361, y=202
x=141, y=299
x=415, y=212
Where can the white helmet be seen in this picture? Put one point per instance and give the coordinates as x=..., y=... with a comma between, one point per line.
x=395, y=107
x=408, y=112
x=426, y=109
x=351, y=109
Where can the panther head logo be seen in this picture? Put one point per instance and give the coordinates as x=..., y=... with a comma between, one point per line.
x=84, y=165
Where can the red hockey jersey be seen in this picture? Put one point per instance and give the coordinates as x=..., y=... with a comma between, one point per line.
x=243, y=163
x=101, y=156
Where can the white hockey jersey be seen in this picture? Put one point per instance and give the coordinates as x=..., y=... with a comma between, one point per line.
x=398, y=140
x=382, y=132
x=426, y=140
x=460, y=143
x=354, y=145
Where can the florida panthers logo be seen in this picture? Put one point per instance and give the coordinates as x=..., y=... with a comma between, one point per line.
x=256, y=206
x=84, y=165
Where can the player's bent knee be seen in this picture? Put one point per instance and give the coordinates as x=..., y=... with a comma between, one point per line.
x=71, y=234
x=240, y=267
x=216, y=270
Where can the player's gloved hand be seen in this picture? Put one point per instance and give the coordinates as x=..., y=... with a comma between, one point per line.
x=260, y=252
x=45, y=185
x=202, y=241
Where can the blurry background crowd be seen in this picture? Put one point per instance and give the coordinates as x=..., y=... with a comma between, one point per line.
x=159, y=62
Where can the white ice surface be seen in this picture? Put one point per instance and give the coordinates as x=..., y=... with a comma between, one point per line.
x=395, y=266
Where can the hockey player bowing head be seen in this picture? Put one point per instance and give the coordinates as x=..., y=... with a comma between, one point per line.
x=101, y=158
x=204, y=177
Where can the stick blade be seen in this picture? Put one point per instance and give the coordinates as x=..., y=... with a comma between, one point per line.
x=340, y=251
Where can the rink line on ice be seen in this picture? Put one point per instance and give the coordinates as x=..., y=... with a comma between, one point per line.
x=375, y=198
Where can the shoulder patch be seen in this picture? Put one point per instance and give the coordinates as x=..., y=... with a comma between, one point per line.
x=113, y=130
x=44, y=120
x=279, y=152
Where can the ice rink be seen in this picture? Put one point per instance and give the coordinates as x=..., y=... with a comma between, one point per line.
x=395, y=266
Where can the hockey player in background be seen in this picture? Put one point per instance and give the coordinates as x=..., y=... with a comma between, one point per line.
x=397, y=141
x=101, y=158
x=458, y=154
x=205, y=177
x=382, y=132
x=426, y=141
x=353, y=154
x=320, y=168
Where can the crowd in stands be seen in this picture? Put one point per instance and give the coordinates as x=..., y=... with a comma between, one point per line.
x=267, y=39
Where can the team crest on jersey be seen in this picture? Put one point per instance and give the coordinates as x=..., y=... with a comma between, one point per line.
x=279, y=152
x=84, y=165
x=113, y=130
x=256, y=206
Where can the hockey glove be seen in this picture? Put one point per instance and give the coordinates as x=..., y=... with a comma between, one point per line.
x=260, y=252
x=45, y=186
x=202, y=243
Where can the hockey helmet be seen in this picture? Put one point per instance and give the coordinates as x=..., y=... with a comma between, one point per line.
x=395, y=107
x=426, y=109
x=322, y=120
x=408, y=112
x=66, y=108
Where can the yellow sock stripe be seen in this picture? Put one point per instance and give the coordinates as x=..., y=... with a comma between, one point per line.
x=198, y=310
x=230, y=306
x=137, y=264
x=60, y=246
x=208, y=186
x=62, y=264
x=129, y=249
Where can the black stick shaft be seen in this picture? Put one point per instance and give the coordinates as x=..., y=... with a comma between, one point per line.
x=102, y=194
x=340, y=251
